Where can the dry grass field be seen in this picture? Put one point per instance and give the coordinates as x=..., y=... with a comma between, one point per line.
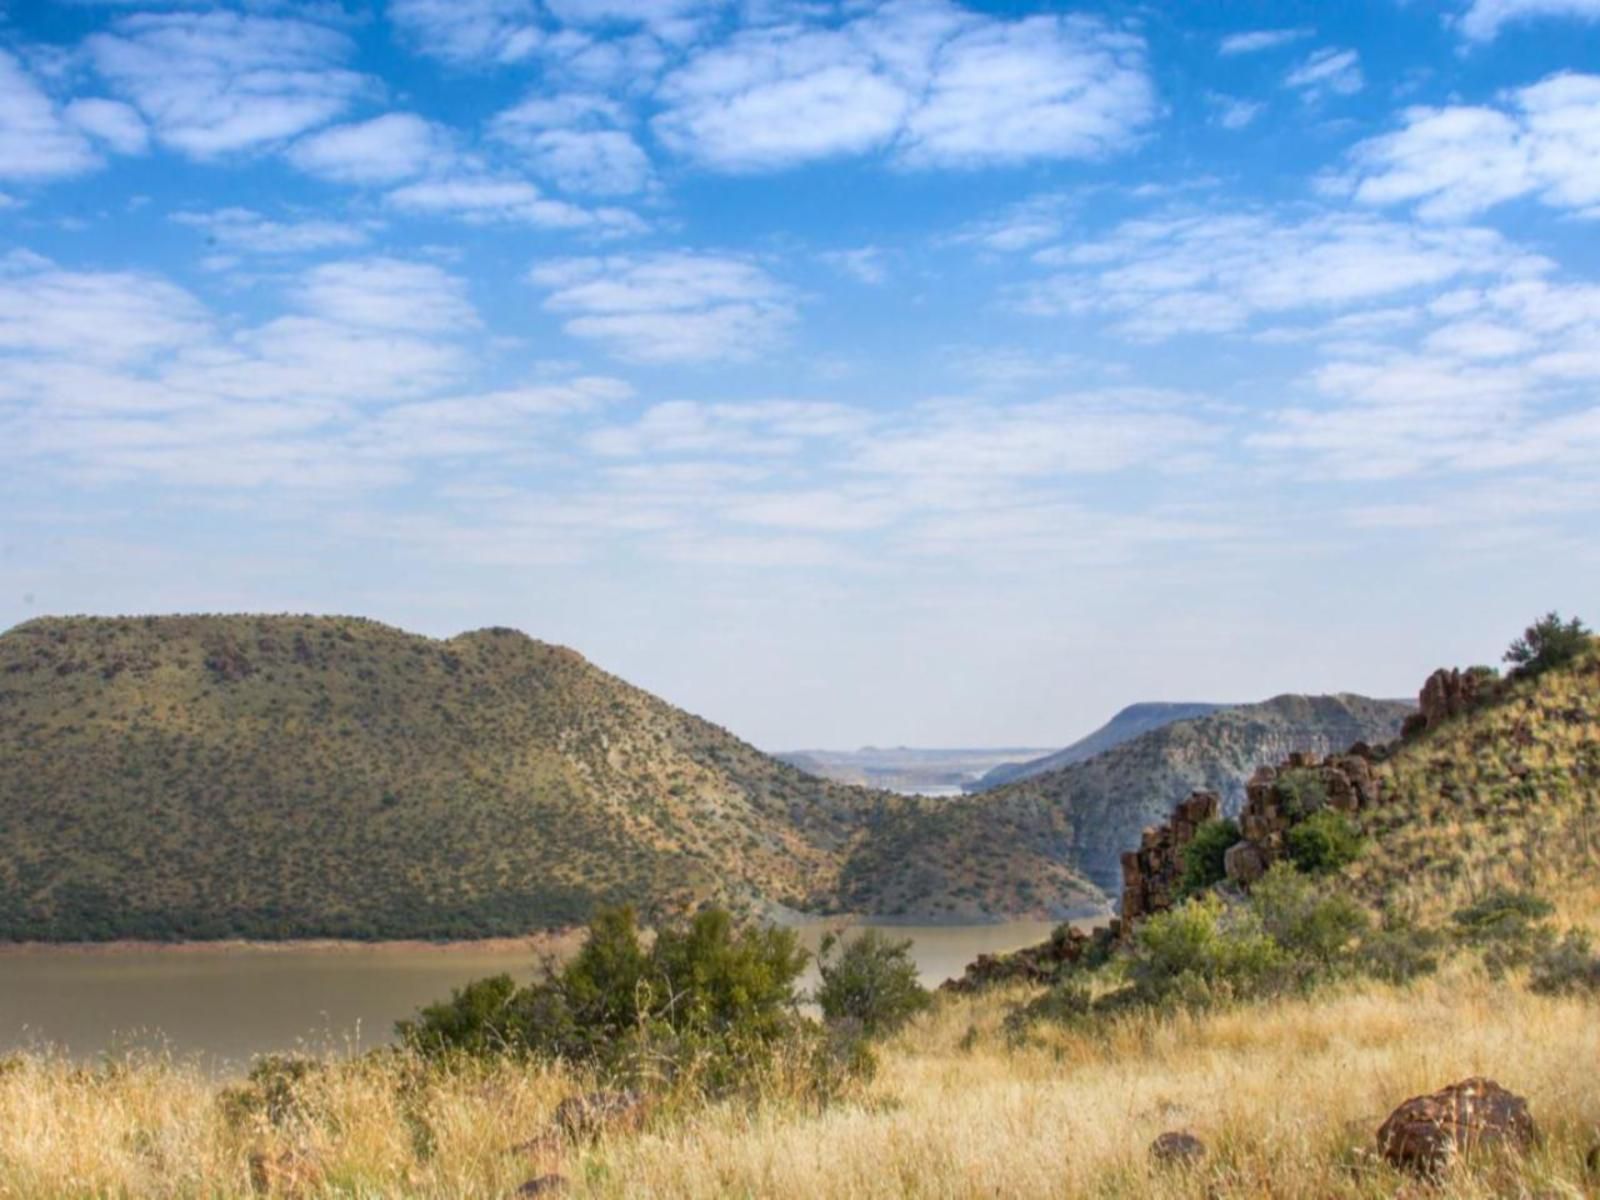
x=1286, y=1095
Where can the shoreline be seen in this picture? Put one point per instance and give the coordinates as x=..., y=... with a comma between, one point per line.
x=534, y=943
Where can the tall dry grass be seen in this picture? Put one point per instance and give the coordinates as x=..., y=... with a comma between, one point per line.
x=1287, y=1096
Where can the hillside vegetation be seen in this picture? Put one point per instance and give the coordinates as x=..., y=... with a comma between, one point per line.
x=272, y=777
x=1505, y=793
x=1089, y=812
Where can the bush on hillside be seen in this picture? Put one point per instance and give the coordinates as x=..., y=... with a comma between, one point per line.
x=1568, y=967
x=1510, y=927
x=1399, y=951
x=1324, y=842
x=1203, y=856
x=1201, y=952
x=1301, y=792
x=1316, y=928
x=707, y=1000
x=873, y=980
x=1548, y=642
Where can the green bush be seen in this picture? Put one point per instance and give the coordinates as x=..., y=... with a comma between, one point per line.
x=1548, y=642
x=1316, y=929
x=1301, y=791
x=1510, y=927
x=708, y=1001
x=1398, y=951
x=1203, y=951
x=1324, y=842
x=873, y=980
x=1569, y=966
x=1203, y=856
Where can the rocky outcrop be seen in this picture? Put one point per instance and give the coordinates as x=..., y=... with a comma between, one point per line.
x=1427, y=1134
x=1040, y=964
x=1151, y=874
x=1447, y=694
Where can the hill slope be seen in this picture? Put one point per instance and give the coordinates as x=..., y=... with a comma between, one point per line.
x=1128, y=724
x=904, y=768
x=1503, y=793
x=1087, y=813
x=305, y=776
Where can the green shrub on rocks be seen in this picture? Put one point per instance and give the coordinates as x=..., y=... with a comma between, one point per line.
x=1203, y=856
x=1324, y=842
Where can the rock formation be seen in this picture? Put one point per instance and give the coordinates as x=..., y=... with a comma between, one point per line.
x=1427, y=1133
x=1151, y=874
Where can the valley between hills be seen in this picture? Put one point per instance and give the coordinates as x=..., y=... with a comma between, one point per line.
x=277, y=777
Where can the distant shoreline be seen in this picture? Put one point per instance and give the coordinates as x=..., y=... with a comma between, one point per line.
x=536, y=943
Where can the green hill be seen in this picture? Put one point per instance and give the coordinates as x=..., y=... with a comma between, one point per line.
x=271, y=777
x=1089, y=812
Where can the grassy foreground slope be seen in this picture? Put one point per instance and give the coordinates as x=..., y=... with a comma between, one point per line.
x=318, y=776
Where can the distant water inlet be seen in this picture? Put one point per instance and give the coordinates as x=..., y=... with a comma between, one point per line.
x=226, y=1005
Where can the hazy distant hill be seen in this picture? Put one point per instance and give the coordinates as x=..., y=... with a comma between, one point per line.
x=904, y=768
x=1087, y=813
x=1132, y=721
x=303, y=776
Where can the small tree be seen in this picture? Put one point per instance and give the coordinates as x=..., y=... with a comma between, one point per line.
x=874, y=981
x=1203, y=857
x=1324, y=842
x=1548, y=642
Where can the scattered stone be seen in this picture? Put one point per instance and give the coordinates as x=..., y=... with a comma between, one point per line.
x=544, y=1185
x=1032, y=964
x=593, y=1113
x=1244, y=863
x=1175, y=1148
x=1428, y=1133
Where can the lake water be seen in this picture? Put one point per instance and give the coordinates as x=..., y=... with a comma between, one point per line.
x=225, y=1005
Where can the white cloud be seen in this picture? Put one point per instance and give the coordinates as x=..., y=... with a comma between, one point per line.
x=95, y=316
x=116, y=124
x=243, y=229
x=386, y=293
x=1327, y=72
x=1484, y=19
x=215, y=83
x=1218, y=273
x=35, y=142
x=385, y=149
x=1257, y=40
x=470, y=30
x=865, y=264
x=1230, y=112
x=486, y=199
x=669, y=307
x=1022, y=225
x=1453, y=162
x=936, y=84
x=576, y=140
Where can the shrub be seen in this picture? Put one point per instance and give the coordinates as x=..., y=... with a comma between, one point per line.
x=1399, y=951
x=1200, y=952
x=1316, y=929
x=1203, y=856
x=708, y=1001
x=1569, y=966
x=1324, y=842
x=1301, y=791
x=1548, y=642
x=1508, y=926
x=874, y=981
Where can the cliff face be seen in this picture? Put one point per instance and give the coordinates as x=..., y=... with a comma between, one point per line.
x=1133, y=721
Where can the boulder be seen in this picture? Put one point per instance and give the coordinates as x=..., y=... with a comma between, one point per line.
x=1427, y=1134
x=1244, y=863
x=1175, y=1148
x=544, y=1185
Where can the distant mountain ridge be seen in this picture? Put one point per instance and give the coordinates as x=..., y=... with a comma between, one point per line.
x=904, y=768
x=1128, y=724
x=275, y=776
x=1087, y=813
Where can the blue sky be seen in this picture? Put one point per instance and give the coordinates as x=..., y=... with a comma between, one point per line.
x=905, y=372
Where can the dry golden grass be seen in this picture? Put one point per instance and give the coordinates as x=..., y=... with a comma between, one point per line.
x=1286, y=1095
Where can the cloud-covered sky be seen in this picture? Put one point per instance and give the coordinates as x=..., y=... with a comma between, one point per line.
x=906, y=372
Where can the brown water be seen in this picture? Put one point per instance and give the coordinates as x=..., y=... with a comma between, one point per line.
x=226, y=1005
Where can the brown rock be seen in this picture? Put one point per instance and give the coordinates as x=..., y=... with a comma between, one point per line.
x=1428, y=1133
x=593, y=1113
x=544, y=1185
x=1244, y=863
x=1175, y=1148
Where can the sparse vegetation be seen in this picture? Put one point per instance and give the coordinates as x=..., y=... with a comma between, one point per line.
x=872, y=981
x=1548, y=642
